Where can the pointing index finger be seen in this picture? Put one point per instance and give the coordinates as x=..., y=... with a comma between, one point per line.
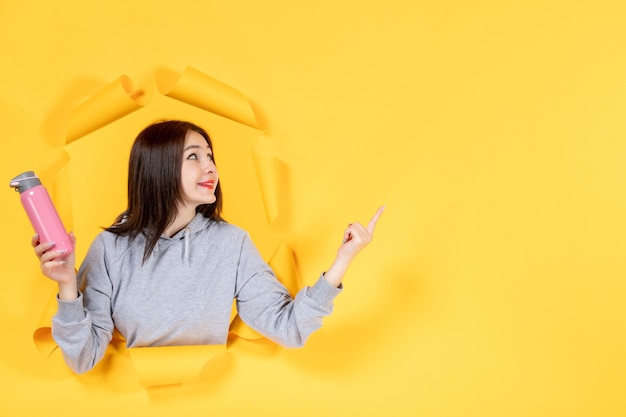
x=372, y=224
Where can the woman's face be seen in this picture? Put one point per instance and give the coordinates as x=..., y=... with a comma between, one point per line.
x=198, y=175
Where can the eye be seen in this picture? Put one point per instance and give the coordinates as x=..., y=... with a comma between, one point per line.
x=210, y=156
x=192, y=156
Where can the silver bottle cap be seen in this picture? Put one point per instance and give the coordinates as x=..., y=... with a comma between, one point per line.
x=25, y=181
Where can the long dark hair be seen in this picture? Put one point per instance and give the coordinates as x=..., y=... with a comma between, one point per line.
x=154, y=183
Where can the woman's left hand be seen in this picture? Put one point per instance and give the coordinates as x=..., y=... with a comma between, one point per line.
x=356, y=237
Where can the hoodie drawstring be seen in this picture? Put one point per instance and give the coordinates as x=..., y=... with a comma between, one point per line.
x=186, y=245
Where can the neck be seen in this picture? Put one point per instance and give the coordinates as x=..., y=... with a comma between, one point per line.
x=183, y=218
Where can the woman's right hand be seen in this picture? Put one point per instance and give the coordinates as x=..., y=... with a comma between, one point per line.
x=57, y=267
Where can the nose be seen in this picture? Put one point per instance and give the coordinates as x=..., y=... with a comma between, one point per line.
x=209, y=166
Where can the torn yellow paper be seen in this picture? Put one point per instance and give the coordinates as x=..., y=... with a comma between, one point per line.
x=61, y=195
x=167, y=365
x=241, y=329
x=48, y=169
x=267, y=166
x=42, y=336
x=113, y=102
x=283, y=265
x=174, y=364
x=198, y=89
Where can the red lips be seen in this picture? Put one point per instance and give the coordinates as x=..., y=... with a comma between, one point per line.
x=207, y=184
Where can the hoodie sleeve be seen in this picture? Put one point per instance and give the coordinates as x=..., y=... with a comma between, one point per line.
x=84, y=327
x=265, y=304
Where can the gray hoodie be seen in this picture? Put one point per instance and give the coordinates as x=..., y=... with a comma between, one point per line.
x=182, y=295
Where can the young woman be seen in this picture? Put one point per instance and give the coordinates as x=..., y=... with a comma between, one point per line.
x=167, y=271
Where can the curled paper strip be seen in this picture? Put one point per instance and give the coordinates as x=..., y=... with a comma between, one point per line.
x=113, y=102
x=200, y=90
x=267, y=167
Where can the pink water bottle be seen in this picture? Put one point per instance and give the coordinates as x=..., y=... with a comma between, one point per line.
x=41, y=212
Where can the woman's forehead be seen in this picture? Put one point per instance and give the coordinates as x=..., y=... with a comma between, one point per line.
x=193, y=138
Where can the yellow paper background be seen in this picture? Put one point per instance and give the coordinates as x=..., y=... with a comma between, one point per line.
x=493, y=131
